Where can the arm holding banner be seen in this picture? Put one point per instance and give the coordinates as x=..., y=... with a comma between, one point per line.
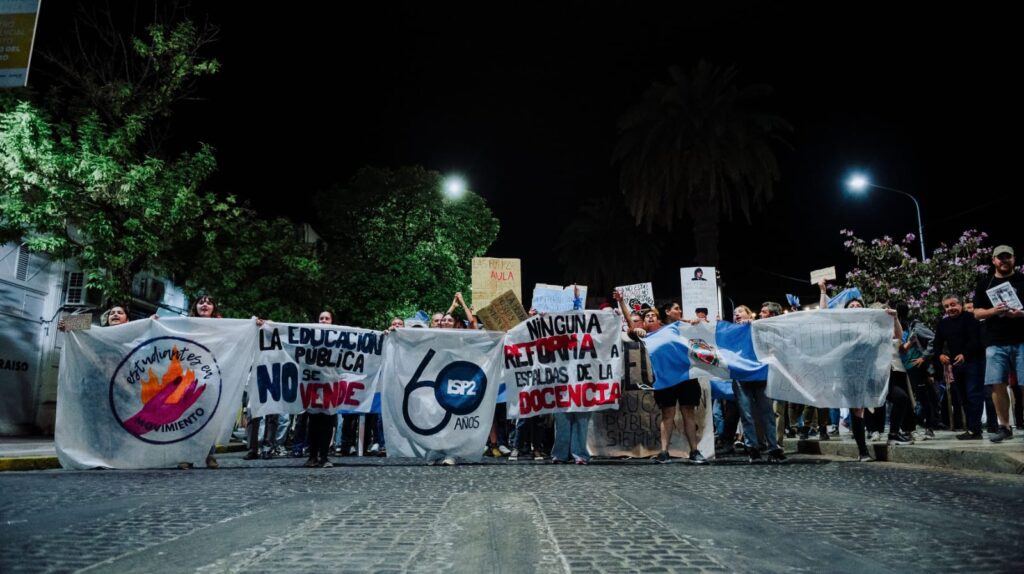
x=823, y=299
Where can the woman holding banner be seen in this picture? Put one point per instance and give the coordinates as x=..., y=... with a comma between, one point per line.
x=756, y=408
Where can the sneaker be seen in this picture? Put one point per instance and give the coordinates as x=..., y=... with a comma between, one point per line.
x=739, y=447
x=211, y=462
x=448, y=461
x=864, y=458
x=338, y=451
x=267, y=455
x=928, y=434
x=250, y=456
x=662, y=457
x=697, y=458
x=185, y=466
x=495, y=452
x=790, y=433
x=899, y=439
x=374, y=448
x=352, y=451
x=311, y=462
x=582, y=461
x=875, y=437
x=776, y=456
x=514, y=455
x=753, y=456
x=557, y=461
x=326, y=464
x=504, y=450
x=538, y=455
x=823, y=433
x=1003, y=434
x=969, y=436
x=834, y=431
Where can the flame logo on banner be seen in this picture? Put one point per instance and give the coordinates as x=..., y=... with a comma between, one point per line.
x=173, y=375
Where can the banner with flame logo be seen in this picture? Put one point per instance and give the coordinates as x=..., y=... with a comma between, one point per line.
x=150, y=394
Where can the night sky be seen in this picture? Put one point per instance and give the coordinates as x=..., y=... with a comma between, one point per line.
x=524, y=102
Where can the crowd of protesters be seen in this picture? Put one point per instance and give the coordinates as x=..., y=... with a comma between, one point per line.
x=971, y=360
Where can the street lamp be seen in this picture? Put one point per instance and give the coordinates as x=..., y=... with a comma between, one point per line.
x=859, y=183
x=454, y=186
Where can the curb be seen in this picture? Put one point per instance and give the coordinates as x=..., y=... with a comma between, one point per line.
x=23, y=463
x=952, y=458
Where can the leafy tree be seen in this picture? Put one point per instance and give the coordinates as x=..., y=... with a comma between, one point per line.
x=253, y=266
x=887, y=272
x=79, y=190
x=602, y=248
x=696, y=146
x=396, y=244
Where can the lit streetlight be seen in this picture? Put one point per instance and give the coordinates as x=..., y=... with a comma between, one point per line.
x=454, y=187
x=859, y=183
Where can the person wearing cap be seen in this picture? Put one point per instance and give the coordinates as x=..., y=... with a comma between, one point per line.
x=1003, y=334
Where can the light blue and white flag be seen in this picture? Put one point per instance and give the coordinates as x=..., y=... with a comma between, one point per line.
x=718, y=350
x=843, y=297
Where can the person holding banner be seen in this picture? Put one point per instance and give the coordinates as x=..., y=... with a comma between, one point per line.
x=756, y=408
x=320, y=423
x=686, y=394
x=205, y=307
x=116, y=315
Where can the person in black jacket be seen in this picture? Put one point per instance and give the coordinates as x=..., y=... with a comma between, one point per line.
x=961, y=332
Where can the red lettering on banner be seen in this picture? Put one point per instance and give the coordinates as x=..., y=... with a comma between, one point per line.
x=350, y=389
x=588, y=394
x=587, y=344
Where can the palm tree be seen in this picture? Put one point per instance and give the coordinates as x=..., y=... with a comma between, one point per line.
x=602, y=248
x=696, y=146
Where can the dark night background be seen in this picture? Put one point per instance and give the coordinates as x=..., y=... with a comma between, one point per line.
x=523, y=101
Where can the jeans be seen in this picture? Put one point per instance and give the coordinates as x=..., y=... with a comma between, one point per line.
x=754, y=403
x=967, y=378
x=571, y=436
x=1000, y=360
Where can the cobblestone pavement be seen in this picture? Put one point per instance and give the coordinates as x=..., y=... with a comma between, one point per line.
x=382, y=515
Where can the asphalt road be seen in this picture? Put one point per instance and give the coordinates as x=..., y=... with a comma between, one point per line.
x=382, y=515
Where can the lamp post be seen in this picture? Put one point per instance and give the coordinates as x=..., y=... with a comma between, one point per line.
x=860, y=183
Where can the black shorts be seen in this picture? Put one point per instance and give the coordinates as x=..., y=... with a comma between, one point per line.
x=686, y=393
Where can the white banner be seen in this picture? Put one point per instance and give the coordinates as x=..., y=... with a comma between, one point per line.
x=150, y=394
x=700, y=290
x=315, y=368
x=563, y=362
x=439, y=388
x=827, y=358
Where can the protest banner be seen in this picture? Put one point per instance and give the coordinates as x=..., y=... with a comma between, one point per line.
x=439, y=389
x=700, y=291
x=504, y=312
x=634, y=430
x=150, y=394
x=827, y=358
x=825, y=274
x=492, y=277
x=17, y=34
x=315, y=368
x=556, y=299
x=564, y=362
x=637, y=295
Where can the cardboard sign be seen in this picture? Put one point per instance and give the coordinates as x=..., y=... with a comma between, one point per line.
x=556, y=299
x=827, y=274
x=81, y=322
x=700, y=290
x=492, y=277
x=637, y=295
x=503, y=313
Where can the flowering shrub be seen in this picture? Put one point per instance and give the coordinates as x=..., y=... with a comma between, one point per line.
x=887, y=272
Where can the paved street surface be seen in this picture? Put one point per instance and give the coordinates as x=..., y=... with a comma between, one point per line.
x=377, y=515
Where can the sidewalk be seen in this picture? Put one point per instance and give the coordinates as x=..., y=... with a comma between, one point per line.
x=39, y=453
x=943, y=451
